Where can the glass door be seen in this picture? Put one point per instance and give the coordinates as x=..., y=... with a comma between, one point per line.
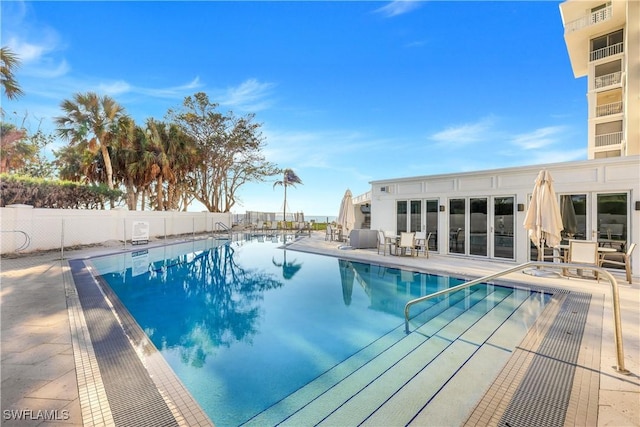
x=612, y=220
x=573, y=209
x=432, y=223
x=415, y=223
x=457, y=220
x=401, y=216
x=503, y=227
x=478, y=226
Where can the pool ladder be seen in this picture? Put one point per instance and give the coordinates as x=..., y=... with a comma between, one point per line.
x=220, y=226
x=614, y=294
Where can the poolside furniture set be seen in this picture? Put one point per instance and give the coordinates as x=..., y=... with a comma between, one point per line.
x=406, y=243
x=591, y=253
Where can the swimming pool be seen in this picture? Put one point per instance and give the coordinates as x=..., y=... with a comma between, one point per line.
x=261, y=335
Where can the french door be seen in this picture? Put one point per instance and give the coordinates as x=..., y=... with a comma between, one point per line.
x=418, y=215
x=482, y=226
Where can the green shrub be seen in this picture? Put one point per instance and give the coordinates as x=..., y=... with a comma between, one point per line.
x=57, y=194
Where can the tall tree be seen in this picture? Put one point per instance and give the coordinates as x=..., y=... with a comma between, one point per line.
x=94, y=120
x=38, y=165
x=289, y=179
x=9, y=62
x=228, y=149
x=15, y=149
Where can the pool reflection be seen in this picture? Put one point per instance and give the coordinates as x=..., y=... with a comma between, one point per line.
x=195, y=301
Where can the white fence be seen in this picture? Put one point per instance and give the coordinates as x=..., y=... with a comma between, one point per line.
x=26, y=229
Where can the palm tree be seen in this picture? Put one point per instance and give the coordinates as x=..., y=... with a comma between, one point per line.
x=8, y=63
x=289, y=178
x=92, y=119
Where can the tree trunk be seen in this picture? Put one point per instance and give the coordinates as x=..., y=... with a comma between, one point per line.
x=107, y=165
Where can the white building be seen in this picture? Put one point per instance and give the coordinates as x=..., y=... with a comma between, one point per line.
x=481, y=214
x=603, y=42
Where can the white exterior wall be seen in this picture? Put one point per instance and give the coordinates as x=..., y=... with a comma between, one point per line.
x=53, y=228
x=620, y=174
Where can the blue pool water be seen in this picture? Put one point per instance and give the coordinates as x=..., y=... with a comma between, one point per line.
x=247, y=324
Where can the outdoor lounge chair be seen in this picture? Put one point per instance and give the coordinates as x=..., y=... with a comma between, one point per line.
x=407, y=242
x=626, y=260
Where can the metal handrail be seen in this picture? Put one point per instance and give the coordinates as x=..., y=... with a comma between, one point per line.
x=614, y=294
x=223, y=226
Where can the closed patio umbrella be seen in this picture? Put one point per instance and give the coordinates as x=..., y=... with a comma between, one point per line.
x=543, y=219
x=569, y=219
x=346, y=216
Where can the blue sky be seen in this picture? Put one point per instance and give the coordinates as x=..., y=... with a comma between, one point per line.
x=347, y=92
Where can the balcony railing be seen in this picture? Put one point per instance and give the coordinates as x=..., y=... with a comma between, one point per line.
x=607, y=80
x=590, y=19
x=608, y=139
x=614, y=49
x=608, y=109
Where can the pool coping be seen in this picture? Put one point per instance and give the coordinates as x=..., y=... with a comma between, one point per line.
x=582, y=409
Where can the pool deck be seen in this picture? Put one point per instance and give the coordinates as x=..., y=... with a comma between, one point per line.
x=42, y=385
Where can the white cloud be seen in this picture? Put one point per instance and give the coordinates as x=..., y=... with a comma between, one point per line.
x=27, y=52
x=397, y=7
x=464, y=134
x=114, y=88
x=539, y=138
x=250, y=95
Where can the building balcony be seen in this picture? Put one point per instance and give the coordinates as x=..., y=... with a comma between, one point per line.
x=589, y=19
x=605, y=52
x=609, y=109
x=609, y=139
x=607, y=80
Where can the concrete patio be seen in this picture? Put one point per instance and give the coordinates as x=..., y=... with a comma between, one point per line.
x=46, y=381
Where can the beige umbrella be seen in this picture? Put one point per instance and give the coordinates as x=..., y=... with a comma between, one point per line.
x=569, y=219
x=543, y=219
x=346, y=216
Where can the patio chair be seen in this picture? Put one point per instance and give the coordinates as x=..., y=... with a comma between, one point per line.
x=584, y=252
x=407, y=242
x=626, y=260
x=383, y=242
x=329, y=233
x=422, y=242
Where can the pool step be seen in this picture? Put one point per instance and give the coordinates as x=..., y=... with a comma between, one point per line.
x=365, y=387
x=442, y=310
x=421, y=373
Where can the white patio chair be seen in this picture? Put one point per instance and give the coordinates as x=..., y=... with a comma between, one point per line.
x=626, y=260
x=329, y=233
x=422, y=242
x=407, y=242
x=584, y=252
x=384, y=242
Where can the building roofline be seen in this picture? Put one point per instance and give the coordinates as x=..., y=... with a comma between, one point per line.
x=537, y=167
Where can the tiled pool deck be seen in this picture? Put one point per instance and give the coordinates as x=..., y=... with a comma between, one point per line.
x=50, y=374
